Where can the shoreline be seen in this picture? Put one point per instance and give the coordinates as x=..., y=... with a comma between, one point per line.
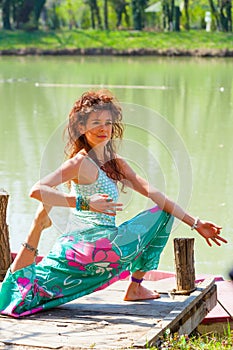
x=172, y=52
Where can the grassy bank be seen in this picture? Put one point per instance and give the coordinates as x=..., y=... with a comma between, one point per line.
x=115, y=40
x=197, y=342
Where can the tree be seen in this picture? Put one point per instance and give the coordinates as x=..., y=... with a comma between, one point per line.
x=229, y=15
x=225, y=15
x=6, y=9
x=168, y=13
x=186, y=11
x=21, y=13
x=138, y=11
x=222, y=14
x=177, y=14
x=106, y=14
x=215, y=13
x=38, y=7
x=120, y=7
x=95, y=13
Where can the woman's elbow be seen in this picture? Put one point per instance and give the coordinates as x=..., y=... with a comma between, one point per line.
x=35, y=192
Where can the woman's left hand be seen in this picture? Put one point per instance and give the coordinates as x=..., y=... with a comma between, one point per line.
x=210, y=231
x=102, y=203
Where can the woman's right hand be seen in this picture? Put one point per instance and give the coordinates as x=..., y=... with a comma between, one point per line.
x=210, y=232
x=102, y=203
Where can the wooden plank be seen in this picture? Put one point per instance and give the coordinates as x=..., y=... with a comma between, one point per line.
x=110, y=301
x=101, y=320
x=220, y=317
x=197, y=315
x=173, y=321
x=106, y=332
x=225, y=302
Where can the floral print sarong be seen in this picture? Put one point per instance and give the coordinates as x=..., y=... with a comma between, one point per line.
x=87, y=259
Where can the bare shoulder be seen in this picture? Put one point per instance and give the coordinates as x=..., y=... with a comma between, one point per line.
x=124, y=166
x=74, y=162
x=120, y=161
x=87, y=170
x=78, y=159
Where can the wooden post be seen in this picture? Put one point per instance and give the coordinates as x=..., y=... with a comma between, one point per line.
x=184, y=260
x=5, y=256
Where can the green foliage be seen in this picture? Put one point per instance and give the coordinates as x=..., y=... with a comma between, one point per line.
x=124, y=14
x=119, y=40
x=197, y=10
x=208, y=341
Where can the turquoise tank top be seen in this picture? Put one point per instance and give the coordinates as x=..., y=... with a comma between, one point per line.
x=104, y=185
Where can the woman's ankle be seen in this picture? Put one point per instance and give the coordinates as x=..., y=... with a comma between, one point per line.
x=136, y=280
x=137, y=276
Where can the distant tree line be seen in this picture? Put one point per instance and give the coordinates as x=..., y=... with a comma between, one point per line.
x=114, y=14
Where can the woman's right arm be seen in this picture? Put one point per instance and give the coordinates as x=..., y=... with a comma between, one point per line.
x=45, y=190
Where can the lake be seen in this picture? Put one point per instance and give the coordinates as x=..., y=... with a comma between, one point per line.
x=178, y=114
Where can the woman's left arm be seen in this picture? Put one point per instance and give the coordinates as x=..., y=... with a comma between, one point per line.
x=206, y=229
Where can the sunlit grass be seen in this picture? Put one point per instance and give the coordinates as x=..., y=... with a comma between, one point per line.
x=208, y=341
x=118, y=40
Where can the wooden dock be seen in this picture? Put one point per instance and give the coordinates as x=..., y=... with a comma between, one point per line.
x=220, y=318
x=103, y=320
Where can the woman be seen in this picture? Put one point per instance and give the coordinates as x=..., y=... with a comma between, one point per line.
x=94, y=252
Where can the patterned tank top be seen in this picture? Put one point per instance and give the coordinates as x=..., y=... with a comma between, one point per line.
x=104, y=185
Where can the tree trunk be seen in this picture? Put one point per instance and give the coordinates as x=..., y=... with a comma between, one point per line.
x=138, y=9
x=137, y=25
x=97, y=13
x=106, y=14
x=120, y=9
x=6, y=5
x=177, y=18
x=171, y=15
x=186, y=10
x=229, y=14
x=215, y=13
x=92, y=15
x=5, y=256
x=225, y=15
x=23, y=13
x=168, y=11
x=39, y=4
x=164, y=15
x=223, y=18
x=28, y=11
x=127, y=19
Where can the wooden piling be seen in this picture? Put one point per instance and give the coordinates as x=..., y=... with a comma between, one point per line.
x=5, y=256
x=184, y=261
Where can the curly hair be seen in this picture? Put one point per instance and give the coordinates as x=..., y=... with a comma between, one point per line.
x=90, y=101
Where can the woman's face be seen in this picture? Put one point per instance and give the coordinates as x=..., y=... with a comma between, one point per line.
x=98, y=128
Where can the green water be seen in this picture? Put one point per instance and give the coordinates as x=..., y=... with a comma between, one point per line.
x=178, y=135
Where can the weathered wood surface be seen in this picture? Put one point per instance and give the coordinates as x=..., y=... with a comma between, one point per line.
x=186, y=315
x=184, y=261
x=5, y=256
x=220, y=318
x=103, y=320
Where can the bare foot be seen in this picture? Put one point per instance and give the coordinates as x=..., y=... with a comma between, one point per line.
x=45, y=222
x=42, y=217
x=138, y=292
